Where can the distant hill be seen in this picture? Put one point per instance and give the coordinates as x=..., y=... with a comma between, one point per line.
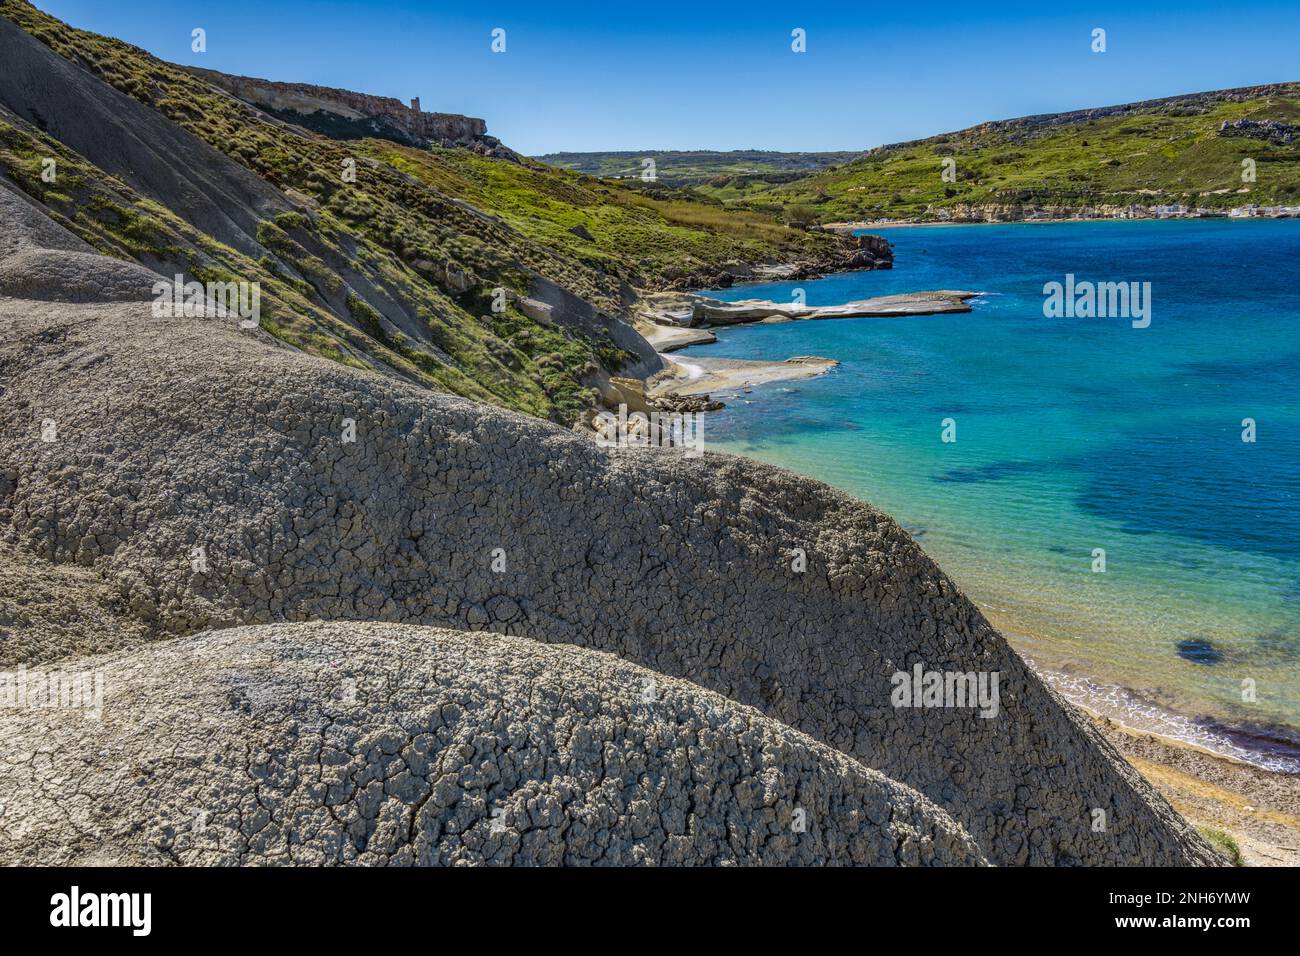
x=1186, y=149
x=699, y=167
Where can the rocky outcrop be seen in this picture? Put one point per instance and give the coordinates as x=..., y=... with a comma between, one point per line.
x=670, y=338
x=706, y=311
x=211, y=477
x=1271, y=131
x=344, y=114
x=850, y=253
x=867, y=252
x=382, y=744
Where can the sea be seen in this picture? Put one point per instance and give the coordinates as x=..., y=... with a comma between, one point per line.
x=1119, y=493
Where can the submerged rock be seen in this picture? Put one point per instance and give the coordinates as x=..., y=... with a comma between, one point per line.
x=1199, y=651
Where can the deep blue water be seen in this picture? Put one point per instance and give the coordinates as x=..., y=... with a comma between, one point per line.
x=1075, y=434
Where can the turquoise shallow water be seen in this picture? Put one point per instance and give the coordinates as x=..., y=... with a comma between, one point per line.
x=1075, y=434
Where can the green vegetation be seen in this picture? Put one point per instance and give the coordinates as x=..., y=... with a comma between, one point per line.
x=1164, y=152
x=728, y=181
x=1225, y=844
x=1159, y=153
x=676, y=168
x=391, y=270
x=645, y=238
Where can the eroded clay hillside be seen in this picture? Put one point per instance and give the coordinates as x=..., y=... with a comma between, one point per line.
x=197, y=475
x=382, y=744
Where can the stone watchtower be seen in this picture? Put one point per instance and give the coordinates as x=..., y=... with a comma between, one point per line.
x=415, y=103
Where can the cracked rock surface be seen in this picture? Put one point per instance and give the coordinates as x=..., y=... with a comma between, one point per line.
x=207, y=477
x=381, y=744
x=50, y=611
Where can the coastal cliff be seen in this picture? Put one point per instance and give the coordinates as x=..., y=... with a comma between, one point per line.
x=348, y=115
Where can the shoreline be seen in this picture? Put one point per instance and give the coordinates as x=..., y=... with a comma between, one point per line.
x=1114, y=701
x=678, y=323
x=851, y=227
x=1212, y=781
x=1098, y=695
x=1259, y=809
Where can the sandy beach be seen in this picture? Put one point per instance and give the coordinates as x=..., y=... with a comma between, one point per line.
x=1258, y=809
x=677, y=322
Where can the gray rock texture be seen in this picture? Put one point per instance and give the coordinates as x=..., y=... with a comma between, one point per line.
x=349, y=743
x=74, y=277
x=39, y=259
x=28, y=226
x=206, y=477
x=53, y=611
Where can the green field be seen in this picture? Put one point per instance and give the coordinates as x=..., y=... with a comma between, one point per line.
x=1159, y=153
x=700, y=168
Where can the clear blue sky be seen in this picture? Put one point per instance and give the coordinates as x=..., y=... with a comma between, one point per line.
x=638, y=74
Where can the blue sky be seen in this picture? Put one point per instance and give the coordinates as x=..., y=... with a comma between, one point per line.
x=644, y=75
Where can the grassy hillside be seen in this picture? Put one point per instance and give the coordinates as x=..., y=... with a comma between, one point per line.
x=1154, y=153
x=396, y=269
x=718, y=170
x=648, y=238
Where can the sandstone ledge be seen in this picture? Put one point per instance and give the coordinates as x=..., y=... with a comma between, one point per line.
x=707, y=311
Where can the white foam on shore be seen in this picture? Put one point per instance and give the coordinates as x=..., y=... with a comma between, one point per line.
x=692, y=370
x=1134, y=713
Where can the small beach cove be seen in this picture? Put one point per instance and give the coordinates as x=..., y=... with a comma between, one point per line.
x=676, y=322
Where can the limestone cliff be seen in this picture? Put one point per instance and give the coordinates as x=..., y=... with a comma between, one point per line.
x=347, y=115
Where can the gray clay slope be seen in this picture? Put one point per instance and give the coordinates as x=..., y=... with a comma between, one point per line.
x=184, y=434
x=387, y=744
